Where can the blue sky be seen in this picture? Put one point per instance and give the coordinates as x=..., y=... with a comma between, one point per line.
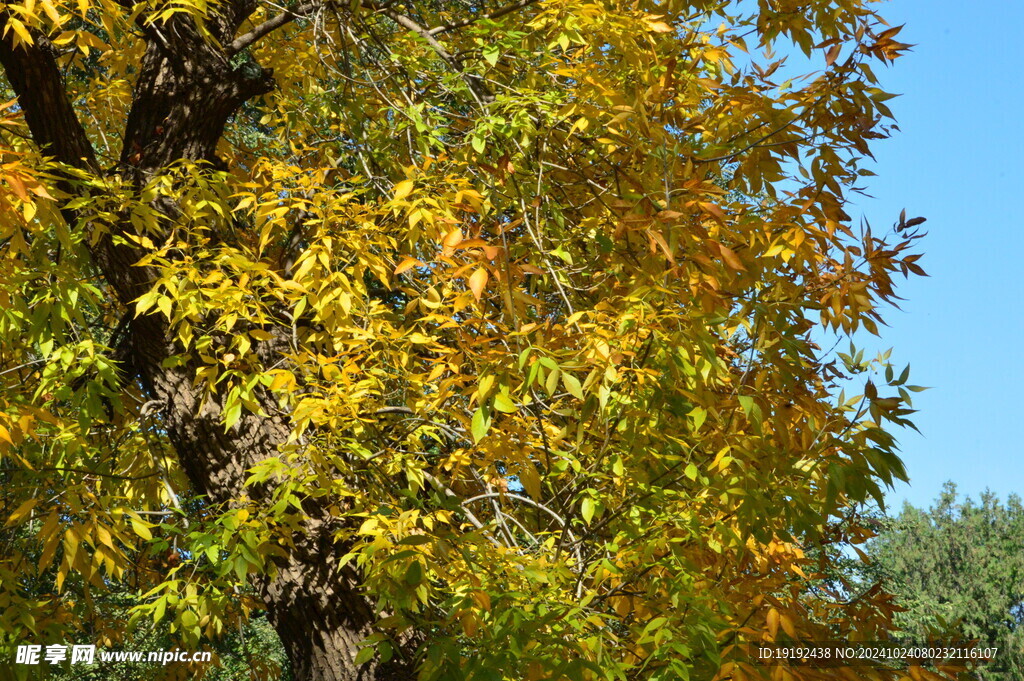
x=958, y=161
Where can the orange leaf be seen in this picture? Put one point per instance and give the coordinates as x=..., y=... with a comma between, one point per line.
x=714, y=210
x=40, y=190
x=453, y=238
x=18, y=186
x=731, y=258
x=477, y=281
x=407, y=264
x=657, y=238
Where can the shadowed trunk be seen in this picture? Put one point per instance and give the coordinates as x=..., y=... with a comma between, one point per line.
x=185, y=93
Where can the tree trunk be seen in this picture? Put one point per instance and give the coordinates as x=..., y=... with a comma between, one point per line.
x=185, y=93
x=321, y=617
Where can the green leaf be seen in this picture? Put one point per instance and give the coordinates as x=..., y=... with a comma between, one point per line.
x=504, y=404
x=159, y=609
x=572, y=385
x=481, y=424
x=587, y=508
x=232, y=413
x=415, y=540
x=189, y=619
x=491, y=54
x=364, y=655
x=699, y=415
x=414, y=573
x=750, y=408
x=691, y=471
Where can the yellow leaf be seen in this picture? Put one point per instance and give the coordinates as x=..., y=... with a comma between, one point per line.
x=470, y=622
x=244, y=203
x=530, y=480
x=772, y=621
x=436, y=372
x=20, y=29
x=486, y=382
x=51, y=12
x=833, y=54
x=141, y=529
x=403, y=189
x=787, y=625
x=21, y=512
x=714, y=210
x=482, y=599
x=103, y=534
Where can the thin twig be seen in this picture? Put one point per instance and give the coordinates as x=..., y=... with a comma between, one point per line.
x=63, y=469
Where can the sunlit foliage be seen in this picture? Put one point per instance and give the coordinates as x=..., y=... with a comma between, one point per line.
x=510, y=315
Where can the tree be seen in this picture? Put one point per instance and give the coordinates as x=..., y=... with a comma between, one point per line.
x=476, y=340
x=958, y=565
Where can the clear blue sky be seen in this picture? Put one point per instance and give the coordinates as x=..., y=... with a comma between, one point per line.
x=959, y=161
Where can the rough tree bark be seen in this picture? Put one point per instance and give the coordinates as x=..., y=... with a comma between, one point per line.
x=185, y=92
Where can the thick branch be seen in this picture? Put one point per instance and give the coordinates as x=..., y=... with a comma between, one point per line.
x=272, y=24
x=37, y=81
x=34, y=75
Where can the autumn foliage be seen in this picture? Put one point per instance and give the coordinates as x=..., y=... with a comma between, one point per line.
x=473, y=342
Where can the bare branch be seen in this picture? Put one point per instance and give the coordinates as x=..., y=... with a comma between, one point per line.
x=525, y=500
x=83, y=471
x=507, y=9
x=476, y=85
x=24, y=366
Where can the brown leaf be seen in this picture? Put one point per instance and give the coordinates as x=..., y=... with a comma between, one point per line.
x=730, y=258
x=833, y=54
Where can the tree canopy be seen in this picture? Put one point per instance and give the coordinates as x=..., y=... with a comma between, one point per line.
x=958, y=567
x=470, y=340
